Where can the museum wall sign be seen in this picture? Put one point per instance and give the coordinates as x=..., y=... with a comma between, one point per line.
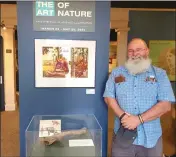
x=64, y=16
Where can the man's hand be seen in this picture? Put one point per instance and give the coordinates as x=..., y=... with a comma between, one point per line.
x=131, y=122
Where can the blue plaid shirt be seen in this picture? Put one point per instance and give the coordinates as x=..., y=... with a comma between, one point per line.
x=136, y=95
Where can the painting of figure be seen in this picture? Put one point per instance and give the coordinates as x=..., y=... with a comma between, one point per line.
x=79, y=66
x=54, y=63
x=162, y=53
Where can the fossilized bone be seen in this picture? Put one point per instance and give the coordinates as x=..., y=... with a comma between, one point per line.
x=59, y=136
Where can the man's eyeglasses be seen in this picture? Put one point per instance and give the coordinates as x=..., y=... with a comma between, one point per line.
x=137, y=50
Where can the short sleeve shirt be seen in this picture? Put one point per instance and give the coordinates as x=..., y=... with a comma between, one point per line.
x=138, y=94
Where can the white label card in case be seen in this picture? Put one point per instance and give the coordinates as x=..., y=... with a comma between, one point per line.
x=81, y=142
x=49, y=127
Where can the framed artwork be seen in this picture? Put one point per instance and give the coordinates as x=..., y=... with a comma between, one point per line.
x=64, y=63
x=162, y=53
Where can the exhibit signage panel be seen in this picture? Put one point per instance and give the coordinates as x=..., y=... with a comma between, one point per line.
x=64, y=16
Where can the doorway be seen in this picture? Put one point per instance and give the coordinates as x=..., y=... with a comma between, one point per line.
x=10, y=115
x=2, y=103
x=16, y=70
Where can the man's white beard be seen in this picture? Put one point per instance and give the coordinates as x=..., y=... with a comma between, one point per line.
x=137, y=65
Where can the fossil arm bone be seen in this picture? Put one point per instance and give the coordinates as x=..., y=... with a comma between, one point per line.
x=59, y=136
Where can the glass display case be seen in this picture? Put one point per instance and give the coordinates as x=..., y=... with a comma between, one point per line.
x=63, y=136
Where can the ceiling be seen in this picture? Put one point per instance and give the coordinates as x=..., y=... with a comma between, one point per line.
x=143, y=4
x=7, y=2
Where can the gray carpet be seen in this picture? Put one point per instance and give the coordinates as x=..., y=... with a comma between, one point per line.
x=10, y=134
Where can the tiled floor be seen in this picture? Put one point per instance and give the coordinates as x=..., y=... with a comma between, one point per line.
x=10, y=134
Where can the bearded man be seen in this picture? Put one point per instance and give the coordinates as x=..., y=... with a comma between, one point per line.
x=139, y=94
